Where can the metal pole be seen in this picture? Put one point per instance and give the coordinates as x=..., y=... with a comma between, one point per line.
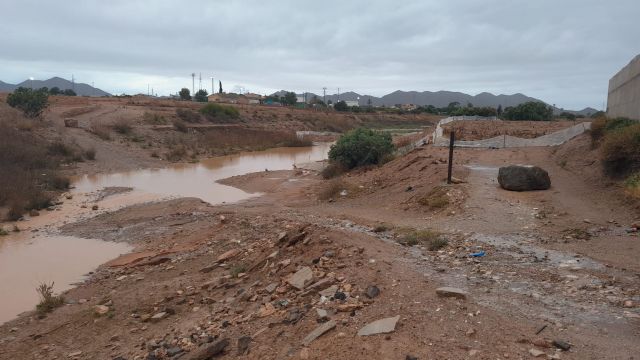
x=452, y=139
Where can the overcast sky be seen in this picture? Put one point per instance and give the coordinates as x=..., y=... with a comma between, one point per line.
x=562, y=52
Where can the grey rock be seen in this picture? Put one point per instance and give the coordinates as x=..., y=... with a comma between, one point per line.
x=562, y=345
x=319, y=331
x=322, y=314
x=174, y=351
x=382, y=326
x=330, y=291
x=271, y=287
x=372, y=291
x=243, y=345
x=208, y=351
x=451, y=292
x=523, y=178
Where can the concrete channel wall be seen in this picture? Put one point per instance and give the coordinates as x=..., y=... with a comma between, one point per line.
x=508, y=141
x=624, y=92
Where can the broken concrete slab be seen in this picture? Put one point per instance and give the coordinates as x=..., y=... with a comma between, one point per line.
x=451, y=292
x=381, y=326
x=319, y=331
x=228, y=255
x=301, y=278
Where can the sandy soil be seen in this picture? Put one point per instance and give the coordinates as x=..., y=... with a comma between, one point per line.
x=200, y=274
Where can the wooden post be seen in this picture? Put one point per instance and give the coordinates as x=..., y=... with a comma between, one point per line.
x=452, y=139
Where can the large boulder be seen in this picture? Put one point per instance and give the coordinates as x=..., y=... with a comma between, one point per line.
x=523, y=178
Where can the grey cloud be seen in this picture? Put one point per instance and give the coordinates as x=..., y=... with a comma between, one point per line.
x=562, y=52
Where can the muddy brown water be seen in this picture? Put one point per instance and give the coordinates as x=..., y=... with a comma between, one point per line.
x=38, y=254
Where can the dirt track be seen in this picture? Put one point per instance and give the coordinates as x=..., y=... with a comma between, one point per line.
x=541, y=279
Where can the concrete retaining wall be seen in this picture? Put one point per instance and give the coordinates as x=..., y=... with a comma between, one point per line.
x=624, y=92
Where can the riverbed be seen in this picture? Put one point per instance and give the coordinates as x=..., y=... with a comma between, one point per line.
x=39, y=254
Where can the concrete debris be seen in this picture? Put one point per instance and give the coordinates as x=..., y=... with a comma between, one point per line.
x=451, y=292
x=381, y=326
x=301, y=278
x=319, y=331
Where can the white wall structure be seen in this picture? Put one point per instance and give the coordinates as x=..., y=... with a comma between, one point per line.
x=624, y=92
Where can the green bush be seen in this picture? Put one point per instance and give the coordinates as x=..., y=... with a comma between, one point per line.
x=31, y=102
x=215, y=111
x=621, y=150
x=189, y=116
x=361, y=147
x=201, y=96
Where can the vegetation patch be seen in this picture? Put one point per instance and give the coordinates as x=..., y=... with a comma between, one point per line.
x=219, y=113
x=122, y=126
x=432, y=239
x=532, y=110
x=334, y=189
x=188, y=115
x=237, y=269
x=621, y=150
x=31, y=102
x=632, y=185
x=180, y=125
x=154, y=119
x=48, y=301
x=361, y=147
x=437, y=198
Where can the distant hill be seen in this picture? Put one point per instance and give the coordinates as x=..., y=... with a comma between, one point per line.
x=437, y=99
x=4, y=87
x=63, y=84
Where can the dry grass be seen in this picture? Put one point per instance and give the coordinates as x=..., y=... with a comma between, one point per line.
x=621, y=150
x=432, y=239
x=48, y=301
x=632, y=185
x=122, y=126
x=101, y=131
x=437, y=198
x=332, y=170
x=154, y=118
x=331, y=189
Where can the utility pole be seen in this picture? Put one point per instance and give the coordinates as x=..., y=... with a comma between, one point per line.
x=212, y=89
x=93, y=89
x=147, y=89
x=73, y=83
x=324, y=95
x=200, y=84
x=338, y=95
x=193, y=84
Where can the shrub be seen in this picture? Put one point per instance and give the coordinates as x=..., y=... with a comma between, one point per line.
x=237, y=269
x=215, y=111
x=333, y=188
x=201, y=96
x=31, y=102
x=632, y=185
x=101, y=131
x=48, y=301
x=361, y=147
x=437, y=198
x=180, y=125
x=432, y=239
x=122, y=126
x=598, y=129
x=59, y=148
x=332, y=170
x=90, y=154
x=177, y=154
x=3, y=232
x=189, y=116
x=154, y=119
x=621, y=150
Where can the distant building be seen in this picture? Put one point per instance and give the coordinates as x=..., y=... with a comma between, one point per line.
x=231, y=98
x=408, y=107
x=351, y=103
x=624, y=92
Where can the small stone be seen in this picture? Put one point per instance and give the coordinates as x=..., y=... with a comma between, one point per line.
x=562, y=345
x=381, y=326
x=319, y=331
x=330, y=291
x=329, y=254
x=451, y=292
x=537, y=353
x=322, y=314
x=75, y=353
x=100, y=309
x=120, y=278
x=114, y=338
x=304, y=353
x=271, y=287
x=159, y=316
x=628, y=304
x=94, y=207
x=372, y=291
x=411, y=357
x=543, y=343
x=473, y=352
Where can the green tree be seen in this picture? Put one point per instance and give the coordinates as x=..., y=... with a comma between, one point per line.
x=55, y=91
x=69, y=92
x=219, y=86
x=361, y=147
x=499, y=110
x=532, y=110
x=201, y=95
x=31, y=102
x=290, y=98
x=185, y=94
x=341, y=106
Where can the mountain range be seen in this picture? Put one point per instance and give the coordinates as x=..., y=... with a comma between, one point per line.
x=80, y=88
x=438, y=99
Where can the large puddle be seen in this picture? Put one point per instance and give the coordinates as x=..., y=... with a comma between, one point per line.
x=28, y=258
